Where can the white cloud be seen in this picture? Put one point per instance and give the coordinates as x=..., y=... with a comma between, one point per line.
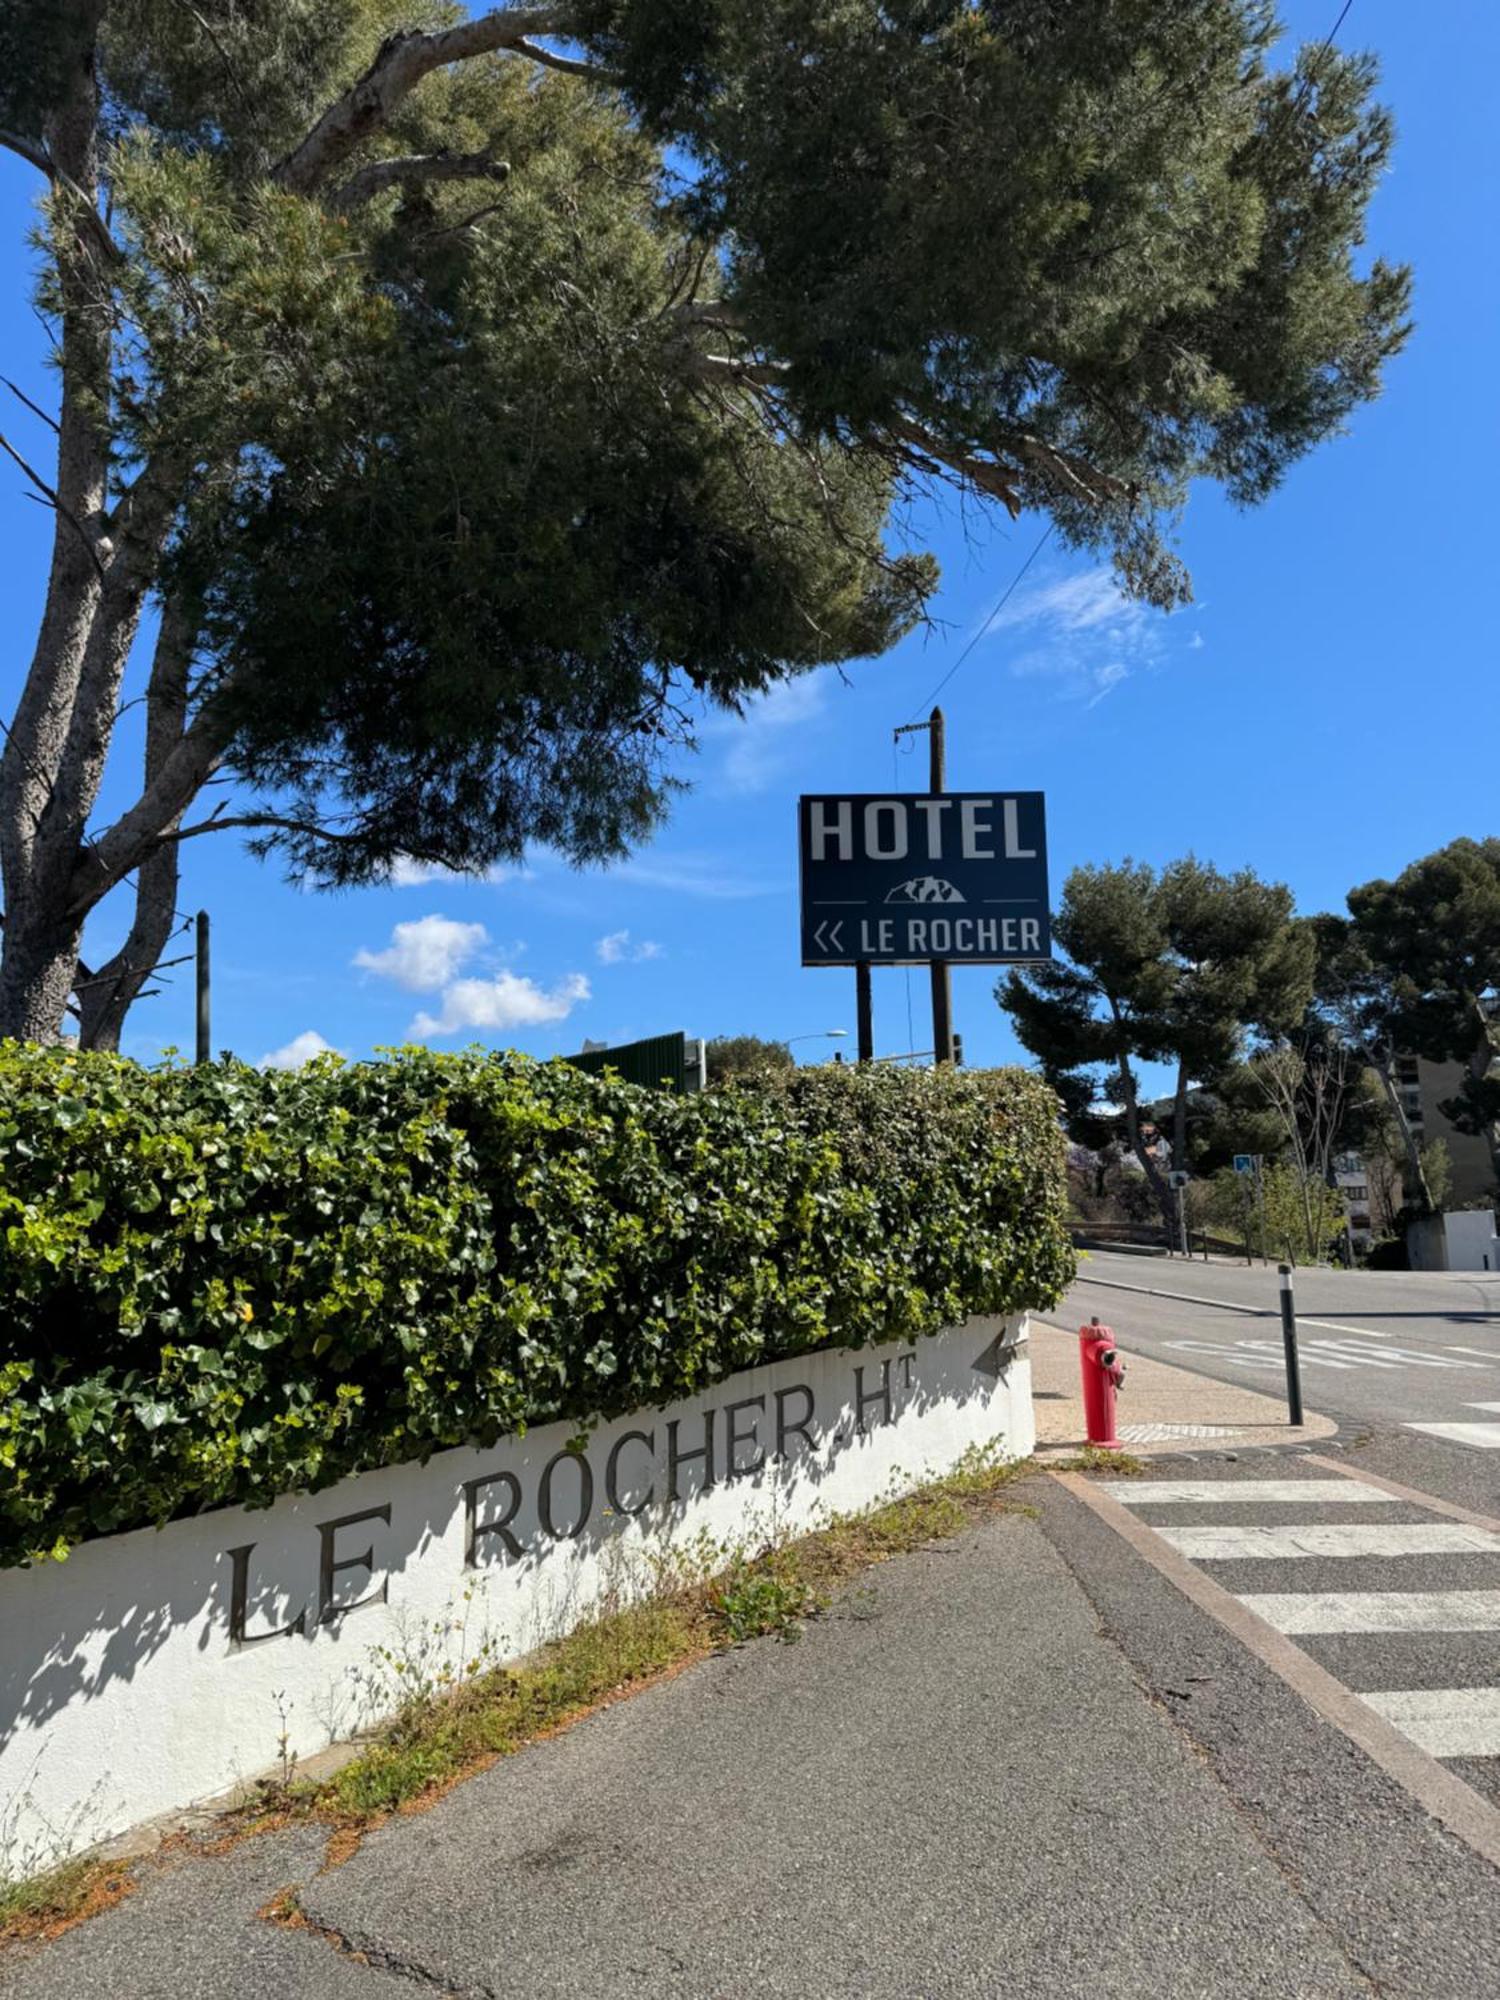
x=425, y=953
x=762, y=740
x=506, y=1001
x=713, y=877
x=1106, y=679
x=1085, y=634
x=300, y=1049
x=616, y=949
x=405, y=873
x=1075, y=604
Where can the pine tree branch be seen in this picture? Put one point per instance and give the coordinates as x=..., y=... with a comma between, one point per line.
x=38, y=157
x=735, y=370
x=717, y=313
x=1060, y=469
x=50, y=495
x=400, y=64
x=35, y=408
x=569, y=65
x=413, y=170
x=109, y=858
x=919, y=448
x=275, y=822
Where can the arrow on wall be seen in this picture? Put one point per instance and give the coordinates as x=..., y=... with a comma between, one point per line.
x=998, y=1356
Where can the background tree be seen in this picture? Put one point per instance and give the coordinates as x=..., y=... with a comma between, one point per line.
x=1171, y=968
x=1357, y=1001
x=1432, y=937
x=1305, y=1218
x=477, y=397
x=1308, y=1089
x=731, y=1056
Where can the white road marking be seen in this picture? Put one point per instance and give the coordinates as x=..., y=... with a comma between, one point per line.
x=1393, y=1538
x=1319, y=1354
x=1253, y=1353
x=1159, y=1433
x=1482, y=1406
x=1445, y=1722
x=1192, y=1492
x=1312, y=1612
x=1341, y=1326
x=1484, y=1437
x=1485, y=1354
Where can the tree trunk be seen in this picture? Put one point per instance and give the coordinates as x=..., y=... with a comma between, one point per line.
x=1416, y=1173
x=107, y=995
x=37, y=971
x=1179, y=1119
x=1156, y=1180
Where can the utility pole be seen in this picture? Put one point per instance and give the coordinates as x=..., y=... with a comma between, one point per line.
x=205, y=1037
x=942, y=983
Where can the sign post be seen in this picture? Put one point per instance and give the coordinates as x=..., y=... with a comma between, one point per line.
x=942, y=981
x=864, y=1008
x=1179, y=1179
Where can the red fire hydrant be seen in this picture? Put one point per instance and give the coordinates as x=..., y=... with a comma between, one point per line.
x=1103, y=1373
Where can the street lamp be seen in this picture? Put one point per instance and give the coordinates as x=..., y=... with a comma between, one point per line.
x=820, y=1035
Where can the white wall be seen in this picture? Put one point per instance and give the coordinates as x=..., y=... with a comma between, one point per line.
x=1463, y=1239
x=125, y=1691
x=1471, y=1239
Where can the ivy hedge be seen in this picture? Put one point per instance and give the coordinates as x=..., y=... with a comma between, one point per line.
x=218, y=1285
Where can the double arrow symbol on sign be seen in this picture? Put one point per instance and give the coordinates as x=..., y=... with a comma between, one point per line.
x=833, y=942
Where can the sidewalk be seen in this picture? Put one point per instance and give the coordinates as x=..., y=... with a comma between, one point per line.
x=1162, y=1409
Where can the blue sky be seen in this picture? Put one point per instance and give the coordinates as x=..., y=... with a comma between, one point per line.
x=1323, y=713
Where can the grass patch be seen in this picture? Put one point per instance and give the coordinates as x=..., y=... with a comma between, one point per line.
x=50, y=1903
x=1091, y=1459
x=432, y=1743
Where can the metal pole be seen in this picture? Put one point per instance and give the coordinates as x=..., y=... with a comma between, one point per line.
x=865, y=1010
x=1289, y=1342
x=942, y=983
x=1260, y=1206
x=1182, y=1230
x=205, y=1036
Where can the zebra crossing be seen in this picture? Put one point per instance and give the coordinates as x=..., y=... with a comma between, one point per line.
x=1483, y=1436
x=1399, y=1602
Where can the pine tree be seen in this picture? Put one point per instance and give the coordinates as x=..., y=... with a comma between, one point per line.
x=477, y=398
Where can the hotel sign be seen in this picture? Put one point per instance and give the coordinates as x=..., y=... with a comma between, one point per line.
x=913, y=878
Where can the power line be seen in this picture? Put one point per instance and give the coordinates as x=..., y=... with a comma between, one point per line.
x=994, y=614
x=1317, y=61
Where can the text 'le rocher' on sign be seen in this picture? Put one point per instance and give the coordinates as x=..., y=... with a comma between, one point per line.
x=909, y=878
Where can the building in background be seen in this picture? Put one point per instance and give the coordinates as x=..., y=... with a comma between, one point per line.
x=1424, y=1086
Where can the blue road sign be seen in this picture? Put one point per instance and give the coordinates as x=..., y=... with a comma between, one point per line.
x=910, y=878
x=1244, y=1163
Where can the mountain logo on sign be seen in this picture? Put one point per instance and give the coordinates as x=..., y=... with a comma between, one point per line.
x=924, y=889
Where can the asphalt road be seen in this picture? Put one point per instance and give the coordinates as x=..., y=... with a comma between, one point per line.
x=1379, y=1349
